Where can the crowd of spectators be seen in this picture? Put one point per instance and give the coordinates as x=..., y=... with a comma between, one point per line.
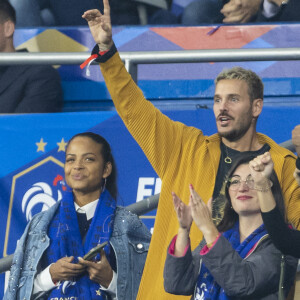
x=128, y=12
x=68, y=12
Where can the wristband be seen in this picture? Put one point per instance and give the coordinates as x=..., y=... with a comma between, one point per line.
x=98, y=56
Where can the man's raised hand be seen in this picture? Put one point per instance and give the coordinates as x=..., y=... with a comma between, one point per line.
x=100, y=26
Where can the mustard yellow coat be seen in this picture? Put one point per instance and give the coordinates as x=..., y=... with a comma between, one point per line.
x=180, y=155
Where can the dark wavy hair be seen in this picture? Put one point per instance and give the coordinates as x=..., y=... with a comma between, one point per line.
x=230, y=216
x=111, y=181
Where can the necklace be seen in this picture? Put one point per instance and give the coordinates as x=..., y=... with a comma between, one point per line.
x=227, y=159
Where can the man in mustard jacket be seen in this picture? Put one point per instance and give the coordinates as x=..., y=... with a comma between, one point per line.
x=182, y=155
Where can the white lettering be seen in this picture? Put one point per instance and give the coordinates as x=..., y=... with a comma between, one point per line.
x=157, y=186
x=147, y=187
x=142, y=190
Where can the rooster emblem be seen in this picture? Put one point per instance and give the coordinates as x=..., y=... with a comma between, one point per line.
x=41, y=193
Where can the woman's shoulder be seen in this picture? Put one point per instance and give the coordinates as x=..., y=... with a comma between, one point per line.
x=124, y=214
x=125, y=217
x=125, y=222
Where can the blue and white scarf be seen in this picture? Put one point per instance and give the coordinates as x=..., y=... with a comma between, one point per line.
x=207, y=288
x=65, y=240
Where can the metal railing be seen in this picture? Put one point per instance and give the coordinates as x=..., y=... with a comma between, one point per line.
x=133, y=59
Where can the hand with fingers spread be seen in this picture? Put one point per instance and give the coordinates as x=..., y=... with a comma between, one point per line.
x=100, y=26
x=261, y=168
x=201, y=214
x=64, y=269
x=100, y=272
x=183, y=212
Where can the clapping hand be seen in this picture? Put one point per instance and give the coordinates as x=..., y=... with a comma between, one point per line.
x=183, y=212
x=196, y=211
x=201, y=213
x=100, y=26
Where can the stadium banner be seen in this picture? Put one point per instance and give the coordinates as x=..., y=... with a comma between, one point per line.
x=33, y=154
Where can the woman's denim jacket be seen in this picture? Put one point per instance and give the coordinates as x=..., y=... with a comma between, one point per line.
x=130, y=240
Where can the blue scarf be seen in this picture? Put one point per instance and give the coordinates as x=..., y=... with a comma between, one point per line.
x=65, y=240
x=207, y=288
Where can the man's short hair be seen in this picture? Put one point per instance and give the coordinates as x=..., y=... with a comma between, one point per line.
x=254, y=82
x=7, y=12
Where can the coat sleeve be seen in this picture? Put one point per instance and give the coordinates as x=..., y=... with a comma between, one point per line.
x=256, y=276
x=287, y=240
x=181, y=273
x=42, y=91
x=159, y=137
x=291, y=192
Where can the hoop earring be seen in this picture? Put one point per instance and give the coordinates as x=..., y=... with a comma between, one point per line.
x=104, y=185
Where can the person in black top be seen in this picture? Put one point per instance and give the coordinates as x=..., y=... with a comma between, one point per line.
x=25, y=88
x=285, y=238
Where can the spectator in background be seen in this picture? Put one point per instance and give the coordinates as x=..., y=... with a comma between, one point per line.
x=279, y=10
x=25, y=88
x=240, y=11
x=220, y=11
x=68, y=12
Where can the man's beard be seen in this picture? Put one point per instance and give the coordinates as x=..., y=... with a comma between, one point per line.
x=236, y=133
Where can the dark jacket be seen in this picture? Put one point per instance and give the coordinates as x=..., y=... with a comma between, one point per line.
x=255, y=277
x=30, y=89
